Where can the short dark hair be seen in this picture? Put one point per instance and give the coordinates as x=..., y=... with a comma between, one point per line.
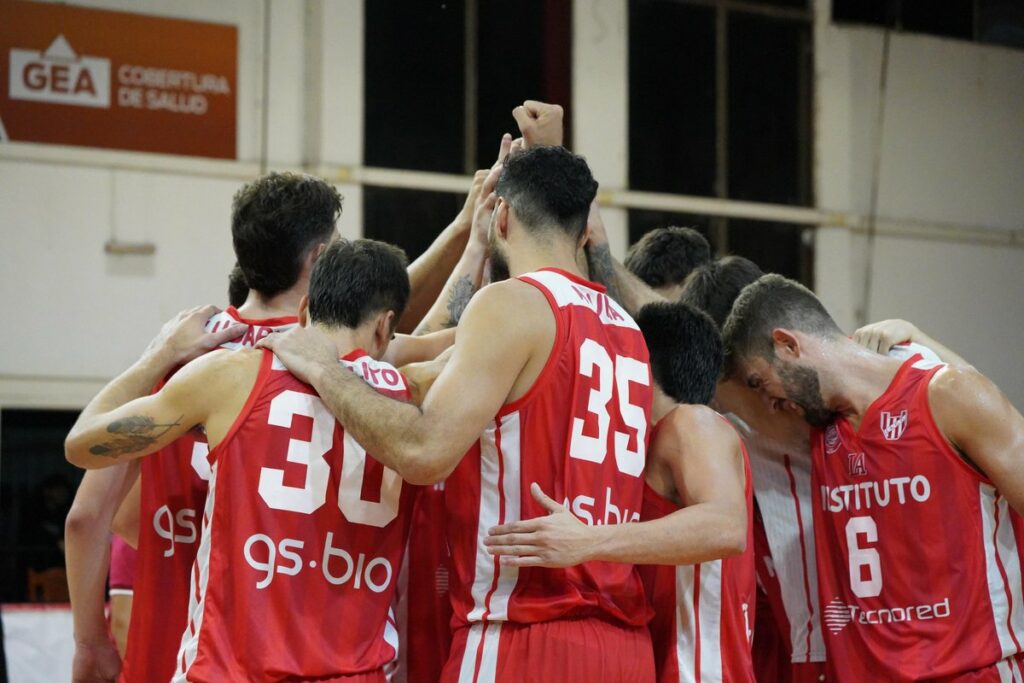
x=685, y=349
x=549, y=188
x=275, y=221
x=353, y=280
x=665, y=256
x=238, y=290
x=713, y=287
x=771, y=302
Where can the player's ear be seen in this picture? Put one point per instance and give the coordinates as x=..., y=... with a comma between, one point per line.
x=304, y=311
x=384, y=330
x=501, y=218
x=787, y=344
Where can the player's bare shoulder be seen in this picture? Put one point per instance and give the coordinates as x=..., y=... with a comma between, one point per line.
x=516, y=307
x=689, y=427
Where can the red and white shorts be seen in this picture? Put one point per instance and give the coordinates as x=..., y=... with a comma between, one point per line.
x=591, y=650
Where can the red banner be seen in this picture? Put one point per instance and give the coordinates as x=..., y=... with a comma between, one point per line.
x=78, y=76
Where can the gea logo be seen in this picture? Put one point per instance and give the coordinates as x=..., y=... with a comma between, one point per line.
x=59, y=76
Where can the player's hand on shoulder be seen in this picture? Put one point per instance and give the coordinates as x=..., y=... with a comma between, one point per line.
x=885, y=334
x=540, y=123
x=303, y=350
x=184, y=337
x=555, y=540
x=96, y=662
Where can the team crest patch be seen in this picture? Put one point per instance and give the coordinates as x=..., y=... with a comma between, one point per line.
x=856, y=465
x=893, y=426
x=832, y=441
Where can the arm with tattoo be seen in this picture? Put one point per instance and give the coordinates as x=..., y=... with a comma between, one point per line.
x=116, y=423
x=629, y=290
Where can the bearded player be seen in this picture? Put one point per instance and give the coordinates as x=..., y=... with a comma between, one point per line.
x=915, y=467
x=298, y=516
x=548, y=382
x=696, y=514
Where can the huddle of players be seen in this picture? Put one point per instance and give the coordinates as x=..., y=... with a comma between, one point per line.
x=599, y=518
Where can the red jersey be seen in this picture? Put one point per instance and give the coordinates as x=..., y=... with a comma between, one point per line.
x=424, y=610
x=580, y=432
x=302, y=542
x=173, y=493
x=918, y=553
x=703, y=613
x=784, y=537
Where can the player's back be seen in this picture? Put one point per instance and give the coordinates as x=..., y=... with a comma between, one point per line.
x=173, y=492
x=918, y=553
x=302, y=542
x=703, y=613
x=580, y=432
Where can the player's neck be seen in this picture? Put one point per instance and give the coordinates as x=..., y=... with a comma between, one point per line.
x=259, y=307
x=662, y=405
x=865, y=377
x=528, y=258
x=346, y=340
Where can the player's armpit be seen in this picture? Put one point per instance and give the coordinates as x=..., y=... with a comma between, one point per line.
x=980, y=422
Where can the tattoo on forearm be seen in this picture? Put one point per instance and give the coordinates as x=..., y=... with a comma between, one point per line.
x=602, y=269
x=132, y=434
x=462, y=292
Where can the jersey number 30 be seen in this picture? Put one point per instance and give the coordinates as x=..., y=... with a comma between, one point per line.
x=595, y=362
x=313, y=494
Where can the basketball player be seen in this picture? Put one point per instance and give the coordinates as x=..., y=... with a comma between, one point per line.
x=548, y=382
x=917, y=468
x=664, y=257
x=280, y=225
x=298, y=519
x=696, y=514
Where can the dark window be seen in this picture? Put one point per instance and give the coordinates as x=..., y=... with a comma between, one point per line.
x=414, y=85
x=524, y=52
x=989, y=21
x=671, y=97
x=411, y=219
x=788, y=4
x=37, y=486
x=775, y=247
x=769, y=76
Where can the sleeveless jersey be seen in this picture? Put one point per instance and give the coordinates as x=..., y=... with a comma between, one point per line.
x=302, y=541
x=173, y=492
x=703, y=613
x=424, y=610
x=787, y=572
x=580, y=432
x=918, y=554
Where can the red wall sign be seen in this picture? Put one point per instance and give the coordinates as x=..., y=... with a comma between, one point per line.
x=77, y=76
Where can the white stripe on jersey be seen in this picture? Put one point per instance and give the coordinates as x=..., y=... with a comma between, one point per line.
x=489, y=659
x=686, y=621
x=569, y=293
x=467, y=669
x=189, y=647
x=1001, y=556
x=709, y=609
x=794, y=565
x=499, y=485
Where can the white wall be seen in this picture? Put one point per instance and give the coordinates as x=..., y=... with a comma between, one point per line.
x=82, y=315
x=952, y=152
